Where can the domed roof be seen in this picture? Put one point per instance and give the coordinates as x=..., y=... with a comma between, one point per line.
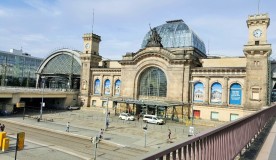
x=176, y=34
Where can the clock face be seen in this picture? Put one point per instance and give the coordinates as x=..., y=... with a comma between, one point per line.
x=257, y=33
x=87, y=45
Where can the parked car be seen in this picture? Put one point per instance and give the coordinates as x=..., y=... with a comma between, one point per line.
x=126, y=116
x=73, y=107
x=152, y=119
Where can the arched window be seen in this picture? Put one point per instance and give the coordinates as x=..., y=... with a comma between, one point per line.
x=235, y=94
x=117, y=87
x=153, y=82
x=216, y=93
x=97, y=86
x=107, y=87
x=198, y=92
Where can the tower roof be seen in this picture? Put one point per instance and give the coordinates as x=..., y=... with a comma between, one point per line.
x=176, y=34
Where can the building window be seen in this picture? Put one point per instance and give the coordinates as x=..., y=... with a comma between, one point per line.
x=104, y=103
x=153, y=82
x=235, y=94
x=117, y=87
x=107, y=87
x=255, y=93
x=97, y=86
x=214, y=116
x=233, y=116
x=94, y=103
x=198, y=92
x=257, y=42
x=216, y=93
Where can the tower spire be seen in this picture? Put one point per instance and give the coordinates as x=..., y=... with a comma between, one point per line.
x=258, y=6
x=92, y=21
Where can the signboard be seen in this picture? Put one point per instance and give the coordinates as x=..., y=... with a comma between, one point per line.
x=191, y=131
x=198, y=92
x=20, y=104
x=216, y=92
x=235, y=94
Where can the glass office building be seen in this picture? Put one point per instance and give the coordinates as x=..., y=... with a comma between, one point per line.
x=18, y=68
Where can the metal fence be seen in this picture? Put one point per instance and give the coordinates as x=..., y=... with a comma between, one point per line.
x=223, y=143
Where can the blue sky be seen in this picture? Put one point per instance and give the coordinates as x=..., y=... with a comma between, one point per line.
x=41, y=26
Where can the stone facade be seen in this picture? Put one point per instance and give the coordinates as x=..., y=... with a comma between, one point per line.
x=193, y=85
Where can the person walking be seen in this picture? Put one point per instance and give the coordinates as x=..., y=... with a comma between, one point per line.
x=138, y=117
x=169, y=135
x=101, y=134
x=67, y=126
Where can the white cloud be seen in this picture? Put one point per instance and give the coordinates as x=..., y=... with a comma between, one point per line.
x=40, y=26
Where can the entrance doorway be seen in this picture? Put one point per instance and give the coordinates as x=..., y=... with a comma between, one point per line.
x=197, y=114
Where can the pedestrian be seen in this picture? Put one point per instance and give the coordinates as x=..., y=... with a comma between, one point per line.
x=67, y=126
x=138, y=117
x=2, y=127
x=169, y=135
x=101, y=134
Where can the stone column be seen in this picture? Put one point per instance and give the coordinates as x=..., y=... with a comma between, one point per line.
x=112, y=85
x=102, y=85
x=206, y=91
x=225, y=91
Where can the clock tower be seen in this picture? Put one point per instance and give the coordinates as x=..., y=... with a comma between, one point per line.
x=257, y=52
x=90, y=58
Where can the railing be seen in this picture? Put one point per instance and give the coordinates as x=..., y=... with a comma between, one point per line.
x=223, y=143
x=33, y=89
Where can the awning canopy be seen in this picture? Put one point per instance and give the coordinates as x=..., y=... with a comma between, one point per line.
x=147, y=101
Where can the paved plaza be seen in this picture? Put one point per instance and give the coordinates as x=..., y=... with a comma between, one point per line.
x=87, y=123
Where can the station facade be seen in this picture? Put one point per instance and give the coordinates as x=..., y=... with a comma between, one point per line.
x=171, y=76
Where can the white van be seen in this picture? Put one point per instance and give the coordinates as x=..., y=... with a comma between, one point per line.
x=152, y=119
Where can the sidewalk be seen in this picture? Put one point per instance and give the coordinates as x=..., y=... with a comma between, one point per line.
x=268, y=151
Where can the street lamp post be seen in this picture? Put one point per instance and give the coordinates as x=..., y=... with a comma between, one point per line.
x=42, y=103
x=106, y=115
x=95, y=141
x=145, y=128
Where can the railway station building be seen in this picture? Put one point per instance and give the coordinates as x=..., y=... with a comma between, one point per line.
x=172, y=76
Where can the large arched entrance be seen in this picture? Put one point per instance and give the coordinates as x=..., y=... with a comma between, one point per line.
x=152, y=86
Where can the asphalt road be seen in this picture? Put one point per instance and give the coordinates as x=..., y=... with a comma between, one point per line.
x=78, y=147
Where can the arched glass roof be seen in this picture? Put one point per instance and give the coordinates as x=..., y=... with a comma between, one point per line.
x=176, y=34
x=62, y=62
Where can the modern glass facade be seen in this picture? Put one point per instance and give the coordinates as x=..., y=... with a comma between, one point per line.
x=18, y=68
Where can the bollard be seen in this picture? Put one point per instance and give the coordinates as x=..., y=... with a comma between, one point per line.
x=2, y=136
x=5, y=144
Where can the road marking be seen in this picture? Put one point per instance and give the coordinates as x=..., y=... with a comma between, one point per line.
x=55, y=148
